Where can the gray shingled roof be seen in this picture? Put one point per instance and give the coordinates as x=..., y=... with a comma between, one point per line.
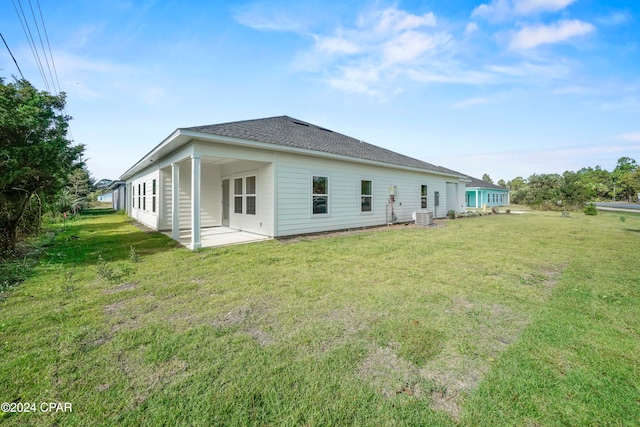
x=290, y=132
x=478, y=183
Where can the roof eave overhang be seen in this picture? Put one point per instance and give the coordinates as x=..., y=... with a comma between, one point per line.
x=487, y=188
x=171, y=143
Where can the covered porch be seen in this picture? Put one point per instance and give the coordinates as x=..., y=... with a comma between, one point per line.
x=215, y=200
x=219, y=236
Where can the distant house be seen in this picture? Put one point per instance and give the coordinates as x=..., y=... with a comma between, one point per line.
x=119, y=195
x=105, y=197
x=479, y=193
x=280, y=176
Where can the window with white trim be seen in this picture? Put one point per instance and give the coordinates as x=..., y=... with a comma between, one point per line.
x=144, y=196
x=320, y=196
x=423, y=197
x=237, y=195
x=139, y=197
x=153, y=196
x=366, y=196
x=250, y=194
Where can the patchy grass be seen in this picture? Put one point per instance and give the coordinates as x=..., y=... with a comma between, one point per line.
x=500, y=320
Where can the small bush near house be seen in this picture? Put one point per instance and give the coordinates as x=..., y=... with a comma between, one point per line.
x=495, y=210
x=590, y=209
x=451, y=214
x=508, y=211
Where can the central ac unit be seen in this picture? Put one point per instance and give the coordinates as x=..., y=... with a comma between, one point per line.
x=424, y=218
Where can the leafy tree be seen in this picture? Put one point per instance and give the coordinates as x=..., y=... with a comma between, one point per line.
x=35, y=154
x=501, y=183
x=625, y=164
x=573, y=189
x=516, y=183
x=487, y=178
x=623, y=178
x=80, y=182
x=629, y=185
x=544, y=188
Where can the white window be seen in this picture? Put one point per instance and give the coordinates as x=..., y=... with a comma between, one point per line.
x=366, y=196
x=423, y=197
x=237, y=195
x=250, y=194
x=320, y=196
x=244, y=195
x=153, y=197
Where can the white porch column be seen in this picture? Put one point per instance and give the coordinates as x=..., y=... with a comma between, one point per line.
x=195, y=203
x=175, y=201
x=477, y=201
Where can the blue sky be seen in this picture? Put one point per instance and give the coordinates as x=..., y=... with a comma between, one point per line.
x=504, y=87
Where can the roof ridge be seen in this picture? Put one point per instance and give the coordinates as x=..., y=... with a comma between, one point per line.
x=282, y=130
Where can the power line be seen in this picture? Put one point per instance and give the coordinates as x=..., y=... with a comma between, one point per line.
x=49, y=45
x=44, y=52
x=12, y=57
x=34, y=50
x=32, y=44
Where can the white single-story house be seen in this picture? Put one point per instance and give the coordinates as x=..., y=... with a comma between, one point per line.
x=119, y=195
x=480, y=193
x=280, y=176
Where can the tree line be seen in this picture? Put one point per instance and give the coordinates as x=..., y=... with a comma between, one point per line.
x=574, y=189
x=42, y=172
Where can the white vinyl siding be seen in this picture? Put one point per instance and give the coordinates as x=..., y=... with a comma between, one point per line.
x=294, y=211
x=142, y=208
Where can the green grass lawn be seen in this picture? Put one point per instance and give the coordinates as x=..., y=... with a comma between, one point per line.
x=525, y=320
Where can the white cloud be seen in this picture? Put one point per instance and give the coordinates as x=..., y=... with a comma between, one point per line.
x=358, y=79
x=471, y=28
x=633, y=136
x=525, y=70
x=509, y=164
x=527, y=7
x=470, y=102
x=533, y=36
x=570, y=90
x=394, y=20
x=450, y=74
x=336, y=45
x=386, y=47
x=497, y=10
x=615, y=18
x=502, y=10
x=382, y=45
x=410, y=45
x=270, y=19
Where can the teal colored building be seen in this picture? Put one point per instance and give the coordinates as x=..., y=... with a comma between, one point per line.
x=479, y=193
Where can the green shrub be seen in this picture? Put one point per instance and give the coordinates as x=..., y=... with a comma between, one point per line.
x=451, y=214
x=590, y=209
x=133, y=255
x=105, y=270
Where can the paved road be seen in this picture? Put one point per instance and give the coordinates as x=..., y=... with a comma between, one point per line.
x=629, y=207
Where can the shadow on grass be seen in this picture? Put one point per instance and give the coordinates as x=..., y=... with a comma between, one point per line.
x=82, y=243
